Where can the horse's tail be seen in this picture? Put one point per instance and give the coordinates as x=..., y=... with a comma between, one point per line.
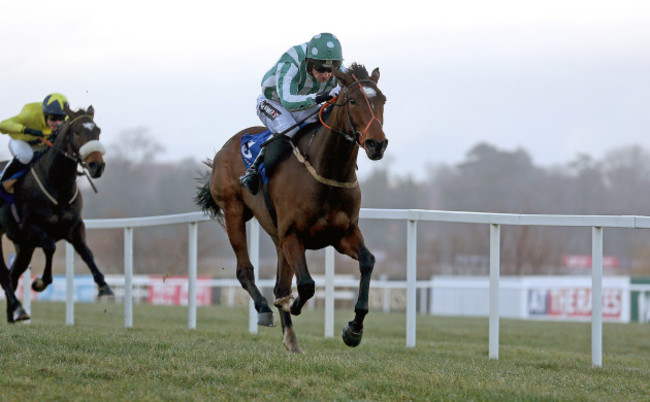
x=203, y=197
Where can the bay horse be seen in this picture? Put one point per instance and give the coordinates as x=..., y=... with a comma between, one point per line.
x=313, y=201
x=48, y=205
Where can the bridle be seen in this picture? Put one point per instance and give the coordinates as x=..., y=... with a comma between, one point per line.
x=357, y=136
x=77, y=158
x=64, y=129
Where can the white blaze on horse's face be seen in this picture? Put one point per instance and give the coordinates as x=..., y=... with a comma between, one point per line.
x=90, y=126
x=370, y=92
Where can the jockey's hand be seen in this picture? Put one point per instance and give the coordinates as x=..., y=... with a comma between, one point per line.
x=323, y=97
x=31, y=131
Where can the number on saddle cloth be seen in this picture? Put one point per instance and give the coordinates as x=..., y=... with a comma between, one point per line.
x=275, y=151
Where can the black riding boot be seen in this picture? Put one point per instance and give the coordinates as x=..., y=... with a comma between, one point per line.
x=252, y=179
x=11, y=169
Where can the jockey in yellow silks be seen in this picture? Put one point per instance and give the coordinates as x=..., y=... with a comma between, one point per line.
x=35, y=121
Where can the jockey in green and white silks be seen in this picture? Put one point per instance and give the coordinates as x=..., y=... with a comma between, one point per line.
x=293, y=89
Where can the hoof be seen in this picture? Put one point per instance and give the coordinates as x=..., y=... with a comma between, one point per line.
x=105, y=291
x=17, y=314
x=266, y=319
x=39, y=285
x=350, y=337
x=294, y=349
x=296, y=309
x=291, y=342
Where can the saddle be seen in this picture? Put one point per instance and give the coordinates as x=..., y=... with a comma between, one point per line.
x=277, y=149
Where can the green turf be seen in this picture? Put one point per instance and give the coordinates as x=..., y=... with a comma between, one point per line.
x=160, y=359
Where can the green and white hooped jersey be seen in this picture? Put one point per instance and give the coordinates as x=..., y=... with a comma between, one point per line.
x=289, y=83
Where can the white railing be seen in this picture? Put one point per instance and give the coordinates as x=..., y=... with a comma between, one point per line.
x=412, y=216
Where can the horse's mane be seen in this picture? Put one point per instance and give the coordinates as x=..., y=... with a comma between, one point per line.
x=358, y=71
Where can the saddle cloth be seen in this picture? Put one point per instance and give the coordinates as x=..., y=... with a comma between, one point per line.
x=9, y=198
x=251, y=147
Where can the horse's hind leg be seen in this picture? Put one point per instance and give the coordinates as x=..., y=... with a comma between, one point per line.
x=354, y=247
x=236, y=229
x=78, y=240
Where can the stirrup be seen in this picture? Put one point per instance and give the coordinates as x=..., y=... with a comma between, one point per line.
x=251, y=180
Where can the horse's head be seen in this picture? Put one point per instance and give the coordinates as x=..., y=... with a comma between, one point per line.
x=81, y=139
x=364, y=106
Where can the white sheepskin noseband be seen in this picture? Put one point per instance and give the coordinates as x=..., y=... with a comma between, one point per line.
x=90, y=147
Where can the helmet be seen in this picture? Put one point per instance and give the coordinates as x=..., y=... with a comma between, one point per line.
x=55, y=104
x=325, y=49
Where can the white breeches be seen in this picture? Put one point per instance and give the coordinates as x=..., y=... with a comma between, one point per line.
x=277, y=119
x=21, y=150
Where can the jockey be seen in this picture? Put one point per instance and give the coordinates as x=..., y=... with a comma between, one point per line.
x=292, y=91
x=35, y=121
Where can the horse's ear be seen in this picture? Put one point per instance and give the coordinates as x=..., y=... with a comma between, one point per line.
x=346, y=79
x=91, y=111
x=375, y=75
x=67, y=110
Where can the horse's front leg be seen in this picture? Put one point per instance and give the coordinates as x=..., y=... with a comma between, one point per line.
x=15, y=311
x=21, y=262
x=283, y=299
x=78, y=240
x=49, y=247
x=353, y=246
x=294, y=254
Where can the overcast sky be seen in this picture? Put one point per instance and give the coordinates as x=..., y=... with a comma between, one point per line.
x=555, y=78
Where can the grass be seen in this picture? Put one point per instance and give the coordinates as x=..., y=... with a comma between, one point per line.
x=160, y=359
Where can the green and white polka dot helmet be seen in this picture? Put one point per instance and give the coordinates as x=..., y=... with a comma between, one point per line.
x=325, y=48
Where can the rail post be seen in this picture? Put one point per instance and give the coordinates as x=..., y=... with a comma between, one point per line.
x=191, y=274
x=254, y=252
x=411, y=278
x=128, y=277
x=597, y=296
x=69, y=284
x=495, y=253
x=329, y=292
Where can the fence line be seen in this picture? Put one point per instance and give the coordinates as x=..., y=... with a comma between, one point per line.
x=412, y=217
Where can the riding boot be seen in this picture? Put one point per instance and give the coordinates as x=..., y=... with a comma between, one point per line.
x=11, y=169
x=252, y=179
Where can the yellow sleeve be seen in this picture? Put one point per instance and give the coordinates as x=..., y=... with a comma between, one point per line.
x=11, y=126
x=30, y=116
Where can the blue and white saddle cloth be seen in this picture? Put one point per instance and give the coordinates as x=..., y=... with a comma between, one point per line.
x=251, y=147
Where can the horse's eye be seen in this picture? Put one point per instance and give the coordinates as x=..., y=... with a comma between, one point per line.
x=352, y=102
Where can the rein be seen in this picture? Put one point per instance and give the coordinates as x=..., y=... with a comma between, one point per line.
x=359, y=137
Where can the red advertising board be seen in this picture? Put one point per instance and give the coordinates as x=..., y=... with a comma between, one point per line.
x=173, y=290
x=584, y=261
x=575, y=302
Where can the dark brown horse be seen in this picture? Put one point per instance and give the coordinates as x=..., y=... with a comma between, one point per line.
x=48, y=205
x=314, y=196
